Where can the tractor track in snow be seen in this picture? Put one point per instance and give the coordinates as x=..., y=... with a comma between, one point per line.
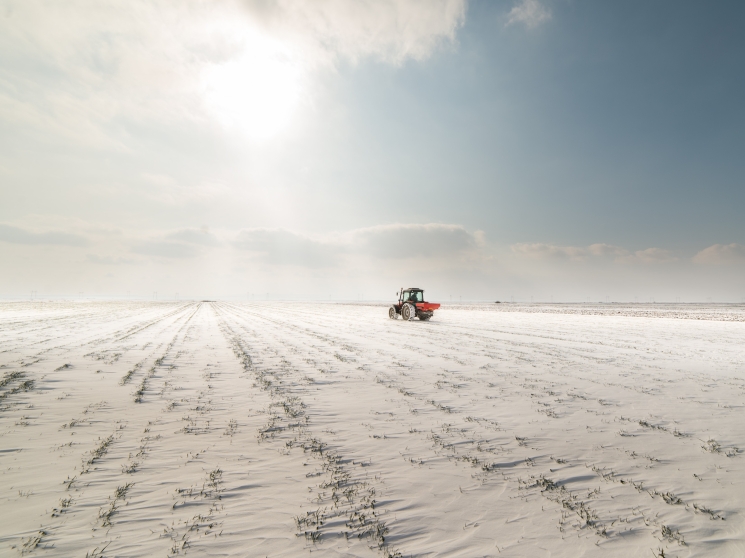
x=346, y=495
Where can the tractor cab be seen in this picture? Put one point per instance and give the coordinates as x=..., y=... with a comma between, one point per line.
x=411, y=295
x=411, y=304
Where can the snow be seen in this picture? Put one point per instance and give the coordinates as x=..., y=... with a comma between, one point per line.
x=279, y=429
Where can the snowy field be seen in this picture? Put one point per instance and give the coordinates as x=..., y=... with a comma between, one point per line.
x=279, y=429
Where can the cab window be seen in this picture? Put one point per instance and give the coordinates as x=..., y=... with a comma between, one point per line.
x=415, y=296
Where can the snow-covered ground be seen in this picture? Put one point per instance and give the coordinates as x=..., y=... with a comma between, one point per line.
x=277, y=429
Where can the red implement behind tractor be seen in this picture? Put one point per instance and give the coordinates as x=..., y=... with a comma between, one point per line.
x=411, y=305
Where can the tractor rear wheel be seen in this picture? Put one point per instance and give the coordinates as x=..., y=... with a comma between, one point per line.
x=408, y=312
x=392, y=313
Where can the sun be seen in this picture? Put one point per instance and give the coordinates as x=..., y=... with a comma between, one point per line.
x=257, y=91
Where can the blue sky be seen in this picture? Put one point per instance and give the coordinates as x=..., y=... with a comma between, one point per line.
x=609, y=123
x=522, y=148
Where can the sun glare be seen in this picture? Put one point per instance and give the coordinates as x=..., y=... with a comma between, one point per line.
x=256, y=92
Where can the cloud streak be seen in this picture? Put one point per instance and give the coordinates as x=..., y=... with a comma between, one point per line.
x=200, y=237
x=107, y=260
x=162, y=249
x=433, y=242
x=541, y=251
x=720, y=254
x=17, y=235
x=413, y=241
x=282, y=247
x=530, y=13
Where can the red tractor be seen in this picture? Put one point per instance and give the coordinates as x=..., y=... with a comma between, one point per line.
x=411, y=305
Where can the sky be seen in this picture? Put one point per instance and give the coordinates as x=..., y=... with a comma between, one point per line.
x=546, y=150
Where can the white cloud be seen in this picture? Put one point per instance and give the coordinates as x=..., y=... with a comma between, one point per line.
x=79, y=69
x=530, y=13
x=167, y=190
x=541, y=251
x=194, y=236
x=537, y=250
x=721, y=254
x=17, y=235
x=432, y=242
x=162, y=180
x=165, y=249
x=107, y=260
x=606, y=250
x=278, y=246
x=388, y=30
x=654, y=255
x=414, y=241
x=260, y=87
x=181, y=243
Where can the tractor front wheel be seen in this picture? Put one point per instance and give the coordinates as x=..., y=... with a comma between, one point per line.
x=408, y=312
x=392, y=313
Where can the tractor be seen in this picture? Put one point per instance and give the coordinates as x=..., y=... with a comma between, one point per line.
x=411, y=305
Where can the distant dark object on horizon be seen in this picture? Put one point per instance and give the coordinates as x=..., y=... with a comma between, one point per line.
x=497, y=302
